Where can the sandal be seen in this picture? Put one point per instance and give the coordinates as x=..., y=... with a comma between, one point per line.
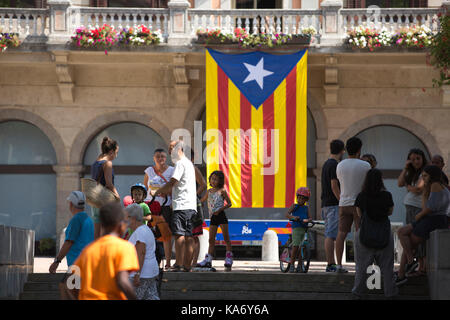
x=175, y=268
x=167, y=267
x=184, y=269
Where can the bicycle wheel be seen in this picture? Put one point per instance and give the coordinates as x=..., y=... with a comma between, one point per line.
x=284, y=265
x=306, y=257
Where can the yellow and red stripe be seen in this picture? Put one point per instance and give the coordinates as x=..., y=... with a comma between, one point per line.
x=241, y=156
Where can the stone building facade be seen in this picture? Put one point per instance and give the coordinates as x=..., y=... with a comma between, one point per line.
x=71, y=96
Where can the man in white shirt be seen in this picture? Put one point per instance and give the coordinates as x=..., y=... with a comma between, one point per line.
x=184, y=204
x=351, y=173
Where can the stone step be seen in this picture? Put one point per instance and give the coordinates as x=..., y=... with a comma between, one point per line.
x=271, y=295
x=45, y=277
x=294, y=286
x=39, y=295
x=41, y=286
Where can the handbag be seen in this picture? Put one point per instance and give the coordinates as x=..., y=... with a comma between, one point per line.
x=97, y=195
x=374, y=234
x=158, y=224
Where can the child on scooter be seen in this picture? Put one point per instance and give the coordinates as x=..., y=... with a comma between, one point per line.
x=300, y=214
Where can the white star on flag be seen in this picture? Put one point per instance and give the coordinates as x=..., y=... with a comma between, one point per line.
x=257, y=73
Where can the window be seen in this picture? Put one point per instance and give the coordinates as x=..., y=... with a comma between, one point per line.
x=391, y=145
x=386, y=3
x=137, y=144
x=27, y=180
x=258, y=4
x=138, y=3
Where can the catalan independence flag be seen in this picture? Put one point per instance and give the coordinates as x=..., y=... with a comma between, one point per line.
x=256, y=125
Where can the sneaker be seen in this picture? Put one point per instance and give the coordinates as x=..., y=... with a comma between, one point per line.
x=229, y=259
x=411, y=267
x=292, y=269
x=331, y=268
x=206, y=263
x=400, y=281
x=340, y=269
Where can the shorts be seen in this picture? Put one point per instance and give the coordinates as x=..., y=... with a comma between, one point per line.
x=298, y=234
x=346, y=217
x=411, y=213
x=331, y=216
x=181, y=224
x=148, y=288
x=167, y=214
x=427, y=224
x=218, y=219
x=95, y=212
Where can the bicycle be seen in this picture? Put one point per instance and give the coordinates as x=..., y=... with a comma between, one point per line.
x=304, y=252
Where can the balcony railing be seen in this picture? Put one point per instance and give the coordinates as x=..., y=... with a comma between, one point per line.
x=178, y=23
x=25, y=22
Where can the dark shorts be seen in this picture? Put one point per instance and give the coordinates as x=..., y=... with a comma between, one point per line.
x=427, y=224
x=167, y=214
x=181, y=224
x=218, y=219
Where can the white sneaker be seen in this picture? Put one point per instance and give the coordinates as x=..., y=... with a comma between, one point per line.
x=228, y=260
x=206, y=263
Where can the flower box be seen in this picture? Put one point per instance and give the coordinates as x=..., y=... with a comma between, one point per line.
x=9, y=40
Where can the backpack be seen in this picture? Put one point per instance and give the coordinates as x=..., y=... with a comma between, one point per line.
x=374, y=234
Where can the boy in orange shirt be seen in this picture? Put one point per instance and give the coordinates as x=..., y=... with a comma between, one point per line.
x=106, y=263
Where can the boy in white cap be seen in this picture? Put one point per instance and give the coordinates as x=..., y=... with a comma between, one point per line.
x=79, y=232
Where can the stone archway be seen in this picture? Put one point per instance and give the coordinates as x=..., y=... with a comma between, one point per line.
x=48, y=129
x=90, y=130
x=397, y=121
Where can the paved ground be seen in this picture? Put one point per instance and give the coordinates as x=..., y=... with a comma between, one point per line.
x=41, y=265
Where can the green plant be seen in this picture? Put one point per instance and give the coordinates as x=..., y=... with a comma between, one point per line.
x=47, y=244
x=8, y=40
x=440, y=51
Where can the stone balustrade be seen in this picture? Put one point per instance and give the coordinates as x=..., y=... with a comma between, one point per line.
x=390, y=18
x=25, y=22
x=57, y=23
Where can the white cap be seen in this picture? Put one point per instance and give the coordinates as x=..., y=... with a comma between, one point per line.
x=77, y=198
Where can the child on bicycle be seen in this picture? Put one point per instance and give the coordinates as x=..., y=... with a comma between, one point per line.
x=216, y=197
x=299, y=214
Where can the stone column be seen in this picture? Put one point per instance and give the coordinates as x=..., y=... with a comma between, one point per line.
x=331, y=34
x=60, y=24
x=67, y=180
x=178, y=23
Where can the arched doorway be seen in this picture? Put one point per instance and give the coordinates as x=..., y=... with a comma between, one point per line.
x=276, y=213
x=27, y=179
x=136, y=147
x=390, y=145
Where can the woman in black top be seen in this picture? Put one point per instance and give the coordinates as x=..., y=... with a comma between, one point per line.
x=374, y=242
x=103, y=172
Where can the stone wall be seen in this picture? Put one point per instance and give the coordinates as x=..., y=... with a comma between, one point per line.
x=438, y=264
x=16, y=260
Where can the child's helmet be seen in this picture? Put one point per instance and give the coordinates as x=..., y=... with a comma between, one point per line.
x=127, y=200
x=304, y=191
x=139, y=186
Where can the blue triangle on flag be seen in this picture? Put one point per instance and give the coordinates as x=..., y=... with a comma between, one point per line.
x=256, y=74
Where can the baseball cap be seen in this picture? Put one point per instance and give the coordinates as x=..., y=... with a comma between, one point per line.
x=77, y=198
